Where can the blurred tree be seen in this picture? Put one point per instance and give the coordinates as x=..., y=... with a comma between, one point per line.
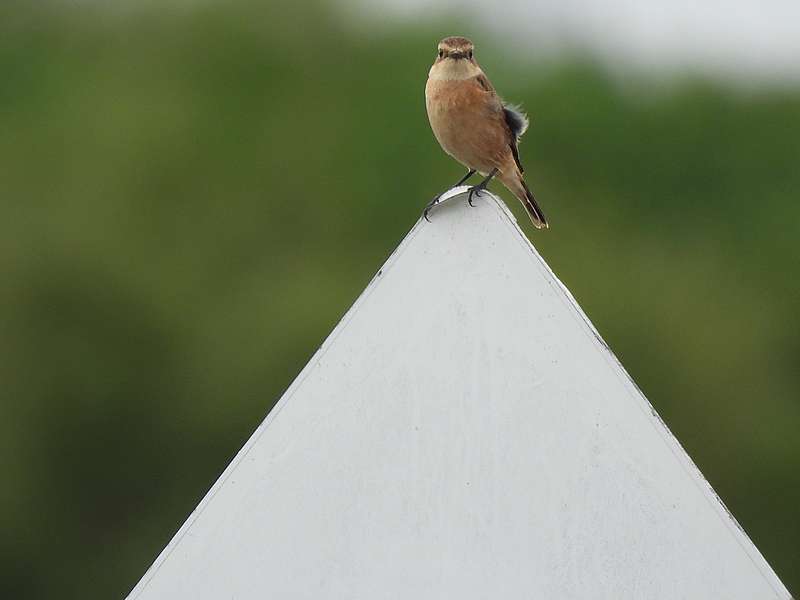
x=191, y=196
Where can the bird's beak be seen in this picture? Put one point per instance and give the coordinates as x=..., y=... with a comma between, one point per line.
x=456, y=55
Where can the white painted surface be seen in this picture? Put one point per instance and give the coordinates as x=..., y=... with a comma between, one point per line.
x=462, y=433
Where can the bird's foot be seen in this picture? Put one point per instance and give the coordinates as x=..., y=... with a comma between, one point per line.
x=476, y=190
x=430, y=205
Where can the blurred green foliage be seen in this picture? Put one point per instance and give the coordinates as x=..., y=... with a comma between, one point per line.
x=192, y=195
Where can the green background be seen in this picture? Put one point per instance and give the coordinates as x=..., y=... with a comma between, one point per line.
x=191, y=195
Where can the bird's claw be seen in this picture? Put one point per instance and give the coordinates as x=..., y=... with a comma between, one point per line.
x=429, y=206
x=475, y=189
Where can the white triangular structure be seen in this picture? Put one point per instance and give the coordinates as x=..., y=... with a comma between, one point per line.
x=463, y=433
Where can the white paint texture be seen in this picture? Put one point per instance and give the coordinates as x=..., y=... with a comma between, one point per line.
x=462, y=433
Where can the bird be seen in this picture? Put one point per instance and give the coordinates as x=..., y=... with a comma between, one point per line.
x=475, y=126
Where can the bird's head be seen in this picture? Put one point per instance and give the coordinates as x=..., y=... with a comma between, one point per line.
x=455, y=60
x=454, y=49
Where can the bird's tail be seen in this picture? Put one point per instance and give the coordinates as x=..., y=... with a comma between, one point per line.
x=519, y=188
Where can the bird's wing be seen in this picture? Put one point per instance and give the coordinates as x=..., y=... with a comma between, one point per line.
x=515, y=120
x=515, y=153
x=484, y=82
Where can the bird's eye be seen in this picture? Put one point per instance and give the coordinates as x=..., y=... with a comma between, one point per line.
x=441, y=53
x=469, y=54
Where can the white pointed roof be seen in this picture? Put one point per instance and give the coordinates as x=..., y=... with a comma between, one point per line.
x=463, y=433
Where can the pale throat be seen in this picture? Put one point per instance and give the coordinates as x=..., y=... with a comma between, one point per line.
x=450, y=69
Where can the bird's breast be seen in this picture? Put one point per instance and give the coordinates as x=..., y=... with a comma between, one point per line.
x=454, y=96
x=453, y=105
x=464, y=120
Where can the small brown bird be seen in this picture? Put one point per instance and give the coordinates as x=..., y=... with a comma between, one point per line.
x=474, y=126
